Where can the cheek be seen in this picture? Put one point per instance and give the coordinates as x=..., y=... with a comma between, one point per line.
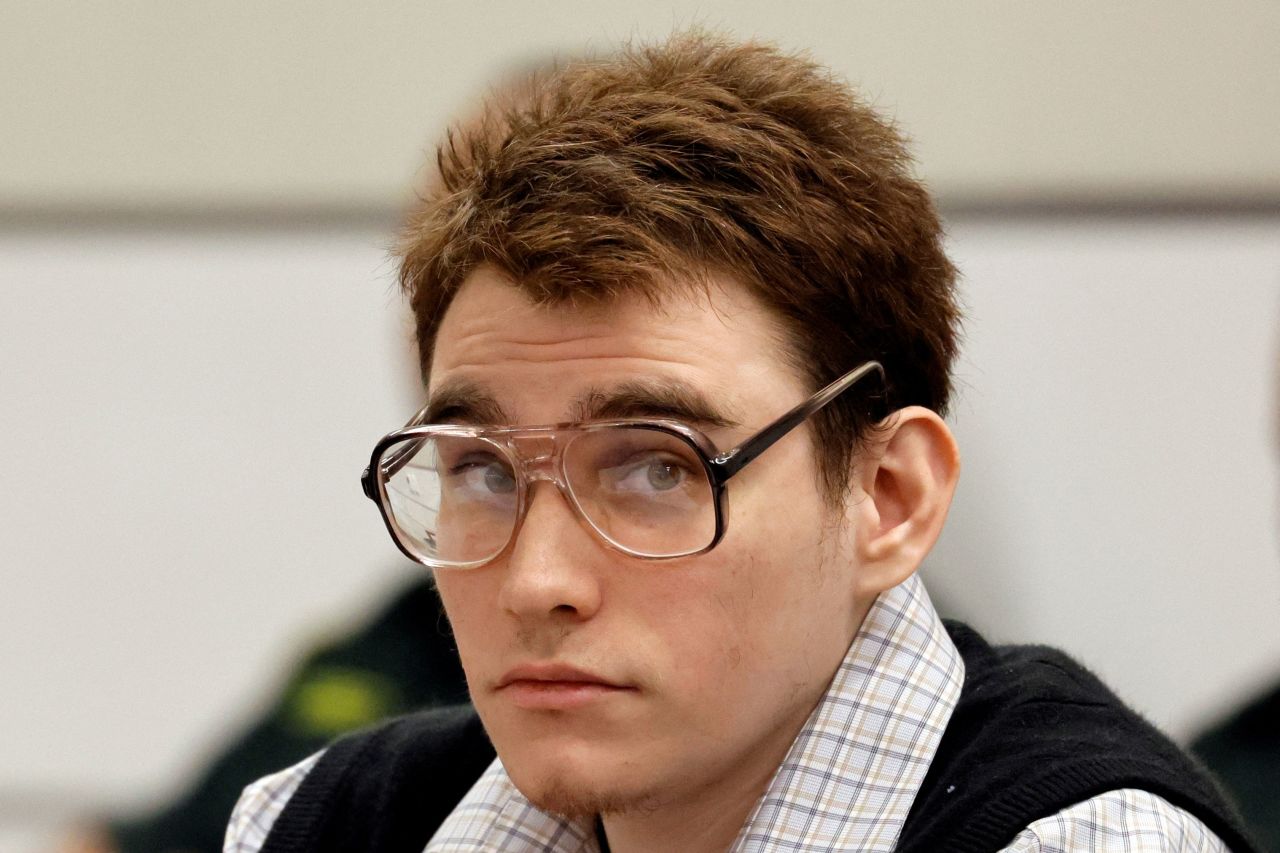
x=701, y=657
x=789, y=591
x=468, y=603
x=737, y=663
x=709, y=620
x=732, y=626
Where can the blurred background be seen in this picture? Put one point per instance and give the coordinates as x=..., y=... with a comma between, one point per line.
x=201, y=339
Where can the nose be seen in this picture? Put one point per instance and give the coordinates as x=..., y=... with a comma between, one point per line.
x=550, y=569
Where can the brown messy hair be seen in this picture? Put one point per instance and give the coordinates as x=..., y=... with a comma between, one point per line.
x=621, y=175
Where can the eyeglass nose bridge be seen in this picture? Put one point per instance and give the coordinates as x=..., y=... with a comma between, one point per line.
x=540, y=457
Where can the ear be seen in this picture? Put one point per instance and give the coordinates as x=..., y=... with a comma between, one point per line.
x=908, y=476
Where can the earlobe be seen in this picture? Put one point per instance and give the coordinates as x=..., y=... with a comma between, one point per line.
x=909, y=477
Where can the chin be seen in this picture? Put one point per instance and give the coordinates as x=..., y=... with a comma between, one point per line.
x=573, y=801
x=578, y=786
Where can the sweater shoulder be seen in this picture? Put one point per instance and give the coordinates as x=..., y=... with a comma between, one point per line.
x=1034, y=732
x=385, y=788
x=1008, y=676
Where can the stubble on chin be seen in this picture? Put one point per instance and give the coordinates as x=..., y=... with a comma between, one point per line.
x=579, y=801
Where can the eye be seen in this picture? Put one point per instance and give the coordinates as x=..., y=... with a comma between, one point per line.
x=651, y=473
x=664, y=475
x=499, y=480
x=483, y=473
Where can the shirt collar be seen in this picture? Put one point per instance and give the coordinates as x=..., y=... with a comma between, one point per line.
x=849, y=778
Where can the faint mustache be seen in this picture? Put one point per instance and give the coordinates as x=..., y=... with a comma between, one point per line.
x=538, y=639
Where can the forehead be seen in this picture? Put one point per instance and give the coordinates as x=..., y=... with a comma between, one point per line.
x=718, y=340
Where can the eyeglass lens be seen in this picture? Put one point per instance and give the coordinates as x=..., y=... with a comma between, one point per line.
x=455, y=499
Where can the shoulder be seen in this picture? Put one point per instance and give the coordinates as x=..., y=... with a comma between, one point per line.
x=261, y=803
x=1034, y=734
x=1012, y=673
x=1033, y=709
x=386, y=787
x=1120, y=820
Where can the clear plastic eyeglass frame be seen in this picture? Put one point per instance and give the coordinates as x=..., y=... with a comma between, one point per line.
x=719, y=467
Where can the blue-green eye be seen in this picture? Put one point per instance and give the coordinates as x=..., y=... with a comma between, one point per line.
x=649, y=473
x=663, y=475
x=483, y=472
x=499, y=480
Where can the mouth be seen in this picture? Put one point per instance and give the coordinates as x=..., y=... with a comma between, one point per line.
x=556, y=687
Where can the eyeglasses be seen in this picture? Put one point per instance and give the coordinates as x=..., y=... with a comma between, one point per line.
x=454, y=497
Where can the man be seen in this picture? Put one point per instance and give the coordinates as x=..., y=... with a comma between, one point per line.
x=686, y=327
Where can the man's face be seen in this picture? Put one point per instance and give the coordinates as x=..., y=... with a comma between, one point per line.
x=709, y=664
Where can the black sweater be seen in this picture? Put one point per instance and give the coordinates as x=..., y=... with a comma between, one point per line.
x=1033, y=733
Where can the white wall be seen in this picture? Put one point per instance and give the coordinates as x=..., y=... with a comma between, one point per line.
x=136, y=103
x=1117, y=415
x=186, y=415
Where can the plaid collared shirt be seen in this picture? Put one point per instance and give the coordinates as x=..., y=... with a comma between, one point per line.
x=847, y=782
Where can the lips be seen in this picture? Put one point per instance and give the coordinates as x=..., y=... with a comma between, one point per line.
x=556, y=686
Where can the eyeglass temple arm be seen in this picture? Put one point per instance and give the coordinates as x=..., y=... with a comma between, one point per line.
x=397, y=460
x=732, y=461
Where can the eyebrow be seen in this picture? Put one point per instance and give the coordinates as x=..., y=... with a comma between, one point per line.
x=461, y=401
x=464, y=402
x=651, y=399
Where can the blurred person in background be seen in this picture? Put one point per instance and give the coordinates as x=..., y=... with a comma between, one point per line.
x=1244, y=752
x=1244, y=749
x=628, y=267
x=401, y=660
